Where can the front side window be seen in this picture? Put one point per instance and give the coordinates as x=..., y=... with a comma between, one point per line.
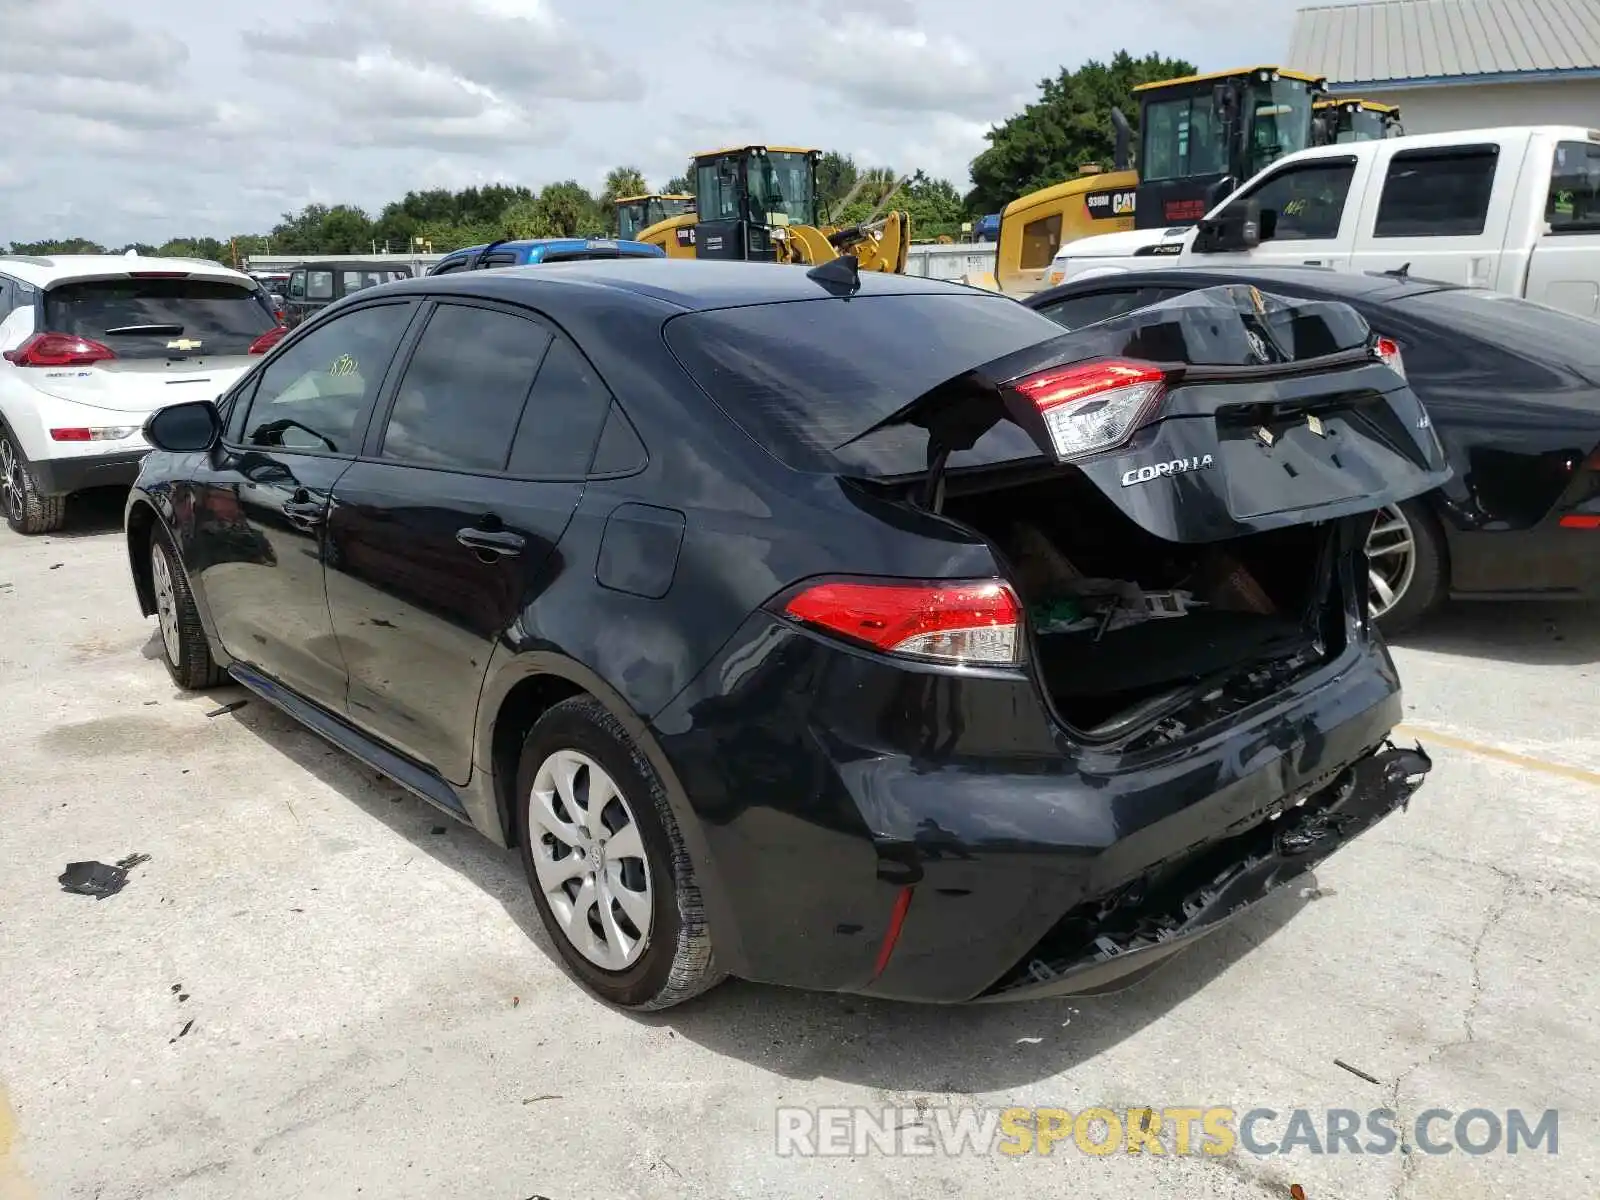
x=1280, y=122
x=1437, y=193
x=1573, y=205
x=1040, y=241
x=631, y=218
x=316, y=394
x=1182, y=138
x=1308, y=200
x=464, y=389
x=717, y=190
x=781, y=189
x=297, y=286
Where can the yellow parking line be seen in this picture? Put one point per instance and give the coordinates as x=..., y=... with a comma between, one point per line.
x=13, y=1184
x=1426, y=736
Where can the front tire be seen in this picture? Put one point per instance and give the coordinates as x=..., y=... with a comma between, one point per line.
x=27, y=511
x=183, y=638
x=604, y=856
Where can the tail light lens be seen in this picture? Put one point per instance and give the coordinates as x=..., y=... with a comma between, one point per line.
x=1387, y=351
x=971, y=622
x=268, y=340
x=1581, y=521
x=1094, y=406
x=104, y=433
x=59, y=350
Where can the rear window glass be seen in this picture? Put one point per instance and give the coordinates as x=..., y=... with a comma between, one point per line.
x=1526, y=329
x=139, y=318
x=803, y=378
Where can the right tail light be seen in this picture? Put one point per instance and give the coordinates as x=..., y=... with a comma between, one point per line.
x=1387, y=351
x=1094, y=406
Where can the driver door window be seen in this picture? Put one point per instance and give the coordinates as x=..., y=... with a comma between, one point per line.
x=315, y=397
x=1308, y=203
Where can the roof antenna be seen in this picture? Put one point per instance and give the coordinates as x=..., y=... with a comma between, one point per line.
x=841, y=276
x=480, y=260
x=1400, y=272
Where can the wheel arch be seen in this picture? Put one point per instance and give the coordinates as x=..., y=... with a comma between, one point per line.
x=521, y=689
x=139, y=522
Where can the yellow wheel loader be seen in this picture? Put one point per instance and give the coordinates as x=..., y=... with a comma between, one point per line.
x=1349, y=119
x=636, y=214
x=759, y=204
x=1200, y=137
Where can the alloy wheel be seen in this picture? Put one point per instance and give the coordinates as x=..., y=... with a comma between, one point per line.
x=11, y=483
x=1391, y=559
x=590, y=860
x=166, y=603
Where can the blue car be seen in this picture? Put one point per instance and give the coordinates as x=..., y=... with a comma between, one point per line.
x=545, y=250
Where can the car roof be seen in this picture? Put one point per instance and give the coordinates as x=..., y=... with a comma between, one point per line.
x=685, y=283
x=44, y=270
x=1373, y=286
x=562, y=243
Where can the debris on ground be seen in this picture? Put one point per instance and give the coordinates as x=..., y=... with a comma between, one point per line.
x=537, y=1099
x=97, y=879
x=1357, y=1072
x=234, y=706
x=188, y=1025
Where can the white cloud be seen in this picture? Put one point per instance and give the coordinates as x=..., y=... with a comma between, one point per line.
x=189, y=117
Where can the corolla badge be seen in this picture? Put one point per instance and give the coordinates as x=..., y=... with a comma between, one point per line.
x=1177, y=466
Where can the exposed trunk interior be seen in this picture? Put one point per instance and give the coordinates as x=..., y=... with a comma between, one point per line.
x=1137, y=634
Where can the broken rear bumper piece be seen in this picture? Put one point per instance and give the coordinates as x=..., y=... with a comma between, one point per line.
x=1115, y=941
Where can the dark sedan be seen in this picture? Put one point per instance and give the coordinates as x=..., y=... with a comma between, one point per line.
x=1514, y=391
x=858, y=633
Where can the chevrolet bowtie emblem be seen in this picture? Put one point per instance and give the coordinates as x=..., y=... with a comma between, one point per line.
x=183, y=344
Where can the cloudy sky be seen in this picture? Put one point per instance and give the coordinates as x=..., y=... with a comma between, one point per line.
x=195, y=118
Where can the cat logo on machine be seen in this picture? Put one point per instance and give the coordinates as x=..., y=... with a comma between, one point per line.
x=686, y=236
x=1177, y=466
x=1107, y=204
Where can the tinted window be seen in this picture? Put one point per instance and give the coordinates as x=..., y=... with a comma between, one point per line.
x=316, y=394
x=1182, y=138
x=138, y=318
x=1432, y=193
x=1309, y=200
x=804, y=378
x=446, y=268
x=1574, y=202
x=1075, y=312
x=1521, y=326
x=297, y=286
x=620, y=451
x=563, y=418
x=1040, y=241
x=464, y=389
x=319, y=285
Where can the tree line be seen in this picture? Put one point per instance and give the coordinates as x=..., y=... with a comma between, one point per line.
x=1065, y=128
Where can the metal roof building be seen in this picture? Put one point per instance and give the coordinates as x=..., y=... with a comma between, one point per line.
x=1453, y=64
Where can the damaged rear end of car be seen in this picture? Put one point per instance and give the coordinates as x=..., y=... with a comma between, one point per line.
x=1166, y=699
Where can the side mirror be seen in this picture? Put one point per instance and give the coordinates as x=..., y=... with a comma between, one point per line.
x=1236, y=228
x=186, y=428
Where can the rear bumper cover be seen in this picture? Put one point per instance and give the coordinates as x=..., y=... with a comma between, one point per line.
x=61, y=476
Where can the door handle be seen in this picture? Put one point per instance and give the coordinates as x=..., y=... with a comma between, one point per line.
x=303, y=512
x=1312, y=262
x=500, y=542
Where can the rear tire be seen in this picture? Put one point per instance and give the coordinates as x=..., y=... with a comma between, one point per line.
x=27, y=511
x=184, y=647
x=631, y=925
x=1427, y=583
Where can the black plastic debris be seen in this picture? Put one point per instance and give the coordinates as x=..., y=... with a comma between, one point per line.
x=182, y=1032
x=96, y=878
x=235, y=706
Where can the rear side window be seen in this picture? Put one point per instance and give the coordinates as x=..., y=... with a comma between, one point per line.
x=141, y=318
x=1074, y=312
x=803, y=378
x=1573, y=205
x=464, y=389
x=319, y=285
x=1437, y=193
x=563, y=419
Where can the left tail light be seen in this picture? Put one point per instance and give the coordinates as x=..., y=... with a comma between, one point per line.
x=1094, y=406
x=59, y=350
x=1387, y=351
x=976, y=622
x=268, y=340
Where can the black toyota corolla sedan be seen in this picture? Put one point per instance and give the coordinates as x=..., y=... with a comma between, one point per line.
x=1513, y=389
x=857, y=633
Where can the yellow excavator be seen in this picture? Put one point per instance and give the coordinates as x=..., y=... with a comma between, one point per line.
x=759, y=204
x=1201, y=136
x=1350, y=119
x=637, y=213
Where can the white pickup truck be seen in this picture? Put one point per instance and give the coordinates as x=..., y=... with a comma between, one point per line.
x=1516, y=210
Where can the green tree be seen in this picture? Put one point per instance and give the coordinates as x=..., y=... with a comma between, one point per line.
x=623, y=181
x=75, y=245
x=836, y=175
x=1067, y=127
x=567, y=210
x=681, y=185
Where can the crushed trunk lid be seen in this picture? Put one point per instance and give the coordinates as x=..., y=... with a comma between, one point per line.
x=1219, y=413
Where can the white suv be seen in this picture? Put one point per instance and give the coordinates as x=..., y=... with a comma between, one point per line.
x=91, y=345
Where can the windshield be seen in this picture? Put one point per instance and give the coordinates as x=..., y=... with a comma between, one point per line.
x=1280, y=122
x=782, y=189
x=140, y=318
x=1182, y=138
